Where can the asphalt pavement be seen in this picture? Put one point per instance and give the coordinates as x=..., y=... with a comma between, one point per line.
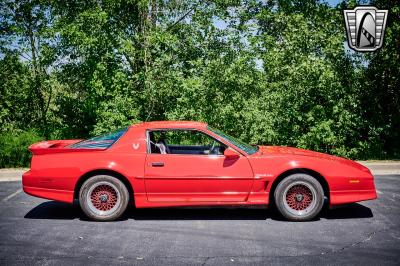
x=41, y=232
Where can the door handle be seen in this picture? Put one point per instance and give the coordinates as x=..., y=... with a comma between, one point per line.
x=157, y=164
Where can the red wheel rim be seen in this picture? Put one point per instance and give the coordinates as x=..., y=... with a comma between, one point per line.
x=104, y=197
x=299, y=197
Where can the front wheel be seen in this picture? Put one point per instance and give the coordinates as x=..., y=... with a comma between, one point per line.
x=299, y=197
x=103, y=198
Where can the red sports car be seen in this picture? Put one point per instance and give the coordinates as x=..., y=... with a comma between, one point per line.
x=179, y=163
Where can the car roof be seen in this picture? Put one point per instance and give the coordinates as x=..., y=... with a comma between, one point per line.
x=171, y=124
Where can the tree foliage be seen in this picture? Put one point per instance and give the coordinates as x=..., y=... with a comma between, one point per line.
x=269, y=72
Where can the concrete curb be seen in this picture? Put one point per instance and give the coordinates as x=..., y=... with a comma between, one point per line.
x=11, y=174
x=382, y=168
x=376, y=167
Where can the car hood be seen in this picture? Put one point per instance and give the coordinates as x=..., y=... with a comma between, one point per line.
x=266, y=150
x=282, y=150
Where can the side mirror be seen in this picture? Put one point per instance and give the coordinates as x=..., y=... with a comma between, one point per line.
x=231, y=154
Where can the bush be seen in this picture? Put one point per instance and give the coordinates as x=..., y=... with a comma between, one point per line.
x=14, y=148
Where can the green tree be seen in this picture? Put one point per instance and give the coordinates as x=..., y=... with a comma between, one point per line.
x=269, y=72
x=25, y=33
x=381, y=88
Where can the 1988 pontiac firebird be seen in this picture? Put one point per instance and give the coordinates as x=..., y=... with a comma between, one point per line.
x=183, y=163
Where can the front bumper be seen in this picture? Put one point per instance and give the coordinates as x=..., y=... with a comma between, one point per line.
x=353, y=190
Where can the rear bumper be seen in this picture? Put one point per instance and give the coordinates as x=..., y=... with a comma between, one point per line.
x=38, y=187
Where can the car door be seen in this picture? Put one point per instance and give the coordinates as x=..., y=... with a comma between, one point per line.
x=194, y=169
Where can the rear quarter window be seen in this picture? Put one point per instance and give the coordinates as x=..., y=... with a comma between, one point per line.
x=100, y=142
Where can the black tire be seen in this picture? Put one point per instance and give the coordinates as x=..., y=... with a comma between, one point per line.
x=299, y=197
x=103, y=198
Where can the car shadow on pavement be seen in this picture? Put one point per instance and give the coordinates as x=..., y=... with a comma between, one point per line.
x=350, y=211
x=55, y=210
x=63, y=211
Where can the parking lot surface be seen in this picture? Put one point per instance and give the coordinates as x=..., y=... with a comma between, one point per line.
x=40, y=232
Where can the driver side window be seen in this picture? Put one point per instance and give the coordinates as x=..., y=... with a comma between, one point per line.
x=184, y=142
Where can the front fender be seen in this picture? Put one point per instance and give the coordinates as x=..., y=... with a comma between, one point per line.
x=347, y=181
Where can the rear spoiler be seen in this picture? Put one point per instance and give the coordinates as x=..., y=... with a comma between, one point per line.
x=55, y=146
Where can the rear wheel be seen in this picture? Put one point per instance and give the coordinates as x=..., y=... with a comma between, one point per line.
x=299, y=197
x=103, y=198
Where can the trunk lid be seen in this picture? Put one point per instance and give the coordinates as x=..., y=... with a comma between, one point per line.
x=56, y=146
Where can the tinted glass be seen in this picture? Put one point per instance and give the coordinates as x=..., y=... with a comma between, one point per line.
x=236, y=142
x=100, y=142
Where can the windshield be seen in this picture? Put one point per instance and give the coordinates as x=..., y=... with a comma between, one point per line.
x=236, y=142
x=100, y=142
